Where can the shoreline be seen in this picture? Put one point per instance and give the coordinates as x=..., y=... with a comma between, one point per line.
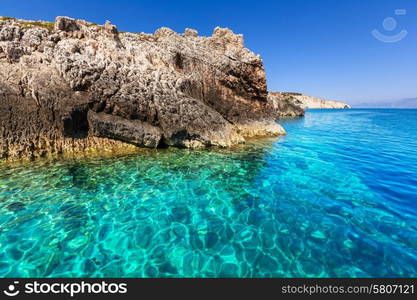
x=98, y=154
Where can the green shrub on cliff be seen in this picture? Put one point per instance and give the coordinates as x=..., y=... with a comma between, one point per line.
x=47, y=25
x=7, y=18
x=29, y=24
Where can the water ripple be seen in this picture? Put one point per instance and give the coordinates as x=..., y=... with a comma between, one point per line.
x=336, y=197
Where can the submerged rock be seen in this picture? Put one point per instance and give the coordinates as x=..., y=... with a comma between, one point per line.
x=72, y=86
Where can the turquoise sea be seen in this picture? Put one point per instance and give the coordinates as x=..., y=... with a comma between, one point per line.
x=336, y=197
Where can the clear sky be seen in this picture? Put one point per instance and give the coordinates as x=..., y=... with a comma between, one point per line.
x=319, y=47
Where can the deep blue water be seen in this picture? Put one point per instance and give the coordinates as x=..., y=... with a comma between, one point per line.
x=336, y=197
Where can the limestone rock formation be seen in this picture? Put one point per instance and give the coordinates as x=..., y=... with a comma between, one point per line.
x=285, y=104
x=305, y=101
x=72, y=85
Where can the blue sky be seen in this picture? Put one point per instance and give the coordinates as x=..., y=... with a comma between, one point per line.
x=320, y=47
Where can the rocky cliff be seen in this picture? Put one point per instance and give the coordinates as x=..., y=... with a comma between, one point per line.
x=305, y=101
x=72, y=85
x=285, y=104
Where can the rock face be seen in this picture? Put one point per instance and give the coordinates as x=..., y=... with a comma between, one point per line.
x=72, y=85
x=286, y=104
x=305, y=101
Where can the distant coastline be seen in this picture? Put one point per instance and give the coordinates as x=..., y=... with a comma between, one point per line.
x=309, y=102
x=400, y=104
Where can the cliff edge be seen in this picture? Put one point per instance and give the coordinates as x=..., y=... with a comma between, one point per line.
x=305, y=101
x=73, y=85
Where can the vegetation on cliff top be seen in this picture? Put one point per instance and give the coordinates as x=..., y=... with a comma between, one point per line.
x=29, y=24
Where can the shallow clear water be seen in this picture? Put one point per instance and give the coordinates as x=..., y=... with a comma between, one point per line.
x=336, y=197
